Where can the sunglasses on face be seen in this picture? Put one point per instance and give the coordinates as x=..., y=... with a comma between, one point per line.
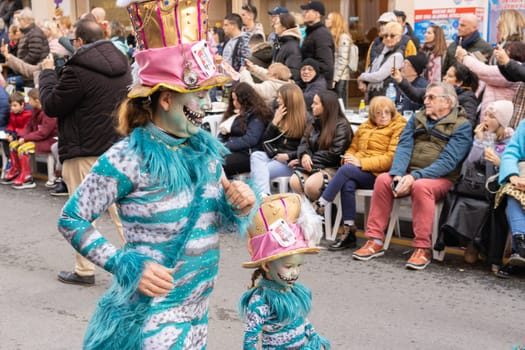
x=391, y=36
x=432, y=97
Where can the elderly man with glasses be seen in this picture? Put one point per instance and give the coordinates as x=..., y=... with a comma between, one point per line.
x=426, y=164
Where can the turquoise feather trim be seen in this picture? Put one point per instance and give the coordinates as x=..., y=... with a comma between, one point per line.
x=286, y=303
x=317, y=342
x=177, y=164
x=117, y=322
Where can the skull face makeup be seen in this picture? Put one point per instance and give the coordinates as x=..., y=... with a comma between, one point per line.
x=285, y=270
x=182, y=113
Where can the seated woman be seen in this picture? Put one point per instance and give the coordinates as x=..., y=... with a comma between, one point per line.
x=243, y=127
x=371, y=153
x=327, y=135
x=281, y=138
x=464, y=81
x=512, y=179
x=468, y=218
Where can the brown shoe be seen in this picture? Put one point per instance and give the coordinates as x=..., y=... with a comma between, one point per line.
x=420, y=259
x=370, y=250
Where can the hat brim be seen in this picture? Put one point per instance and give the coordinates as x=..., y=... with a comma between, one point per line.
x=254, y=264
x=140, y=90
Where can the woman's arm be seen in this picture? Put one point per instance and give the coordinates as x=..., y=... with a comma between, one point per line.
x=384, y=70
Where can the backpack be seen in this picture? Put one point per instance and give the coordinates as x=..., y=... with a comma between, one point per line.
x=353, y=58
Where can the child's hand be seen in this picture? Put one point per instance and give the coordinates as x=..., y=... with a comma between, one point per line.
x=240, y=196
x=21, y=141
x=479, y=130
x=156, y=280
x=492, y=157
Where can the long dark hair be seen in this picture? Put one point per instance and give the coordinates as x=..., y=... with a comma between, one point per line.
x=468, y=78
x=328, y=118
x=251, y=103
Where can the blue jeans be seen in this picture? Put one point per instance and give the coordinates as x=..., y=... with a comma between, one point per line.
x=348, y=179
x=515, y=217
x=264, y=169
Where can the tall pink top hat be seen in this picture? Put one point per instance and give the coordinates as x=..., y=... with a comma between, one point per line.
x=174, y=52
x=285, y=224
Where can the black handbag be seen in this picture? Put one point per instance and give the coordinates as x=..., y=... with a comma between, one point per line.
x=472, y=184
x=270, y=149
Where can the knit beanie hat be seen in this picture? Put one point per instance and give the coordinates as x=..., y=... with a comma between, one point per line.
x=419, y=62
x=312, y=63
x=502, y=111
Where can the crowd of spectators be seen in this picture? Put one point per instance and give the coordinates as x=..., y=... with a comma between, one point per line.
x=283, y=118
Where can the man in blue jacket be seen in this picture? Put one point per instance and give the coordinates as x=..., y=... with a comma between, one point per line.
x=426, y=164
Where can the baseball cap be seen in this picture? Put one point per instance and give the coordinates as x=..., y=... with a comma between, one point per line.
x=277, y=10
x=400, y=13
x=314, y=5
x=387, y=17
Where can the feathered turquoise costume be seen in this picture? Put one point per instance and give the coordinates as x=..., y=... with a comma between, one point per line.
x=171, y=204
x=280, y=314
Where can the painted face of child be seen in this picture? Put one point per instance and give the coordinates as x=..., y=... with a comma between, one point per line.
x=17, y=107
x=285, y=271
x=185, y=114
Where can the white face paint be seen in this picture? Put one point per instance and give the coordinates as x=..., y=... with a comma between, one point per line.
x=286, y=270
x=185, y=114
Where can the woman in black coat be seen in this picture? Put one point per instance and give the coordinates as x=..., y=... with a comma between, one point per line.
x=286, y=48
x=243, y=133
x=512, y=70
x=327, y=135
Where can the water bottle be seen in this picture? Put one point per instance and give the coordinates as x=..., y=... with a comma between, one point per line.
x=362, y=109
x=391, y=93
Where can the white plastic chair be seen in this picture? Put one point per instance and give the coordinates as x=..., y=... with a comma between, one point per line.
x=329, y=228
x=394, y=221
x=281, y=183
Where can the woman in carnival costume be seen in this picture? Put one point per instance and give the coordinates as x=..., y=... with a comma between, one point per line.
x=276, y=306
x=166, y=178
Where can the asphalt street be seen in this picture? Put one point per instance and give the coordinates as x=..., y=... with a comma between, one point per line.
x=356, y=305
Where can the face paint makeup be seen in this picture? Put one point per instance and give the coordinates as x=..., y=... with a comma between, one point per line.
x=286, y=270
x=186, y=113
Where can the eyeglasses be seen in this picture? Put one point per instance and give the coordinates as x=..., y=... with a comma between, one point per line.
x=432, y=97
x=391, y=36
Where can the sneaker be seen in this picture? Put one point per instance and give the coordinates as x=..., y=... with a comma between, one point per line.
x=517, y=260
x=59, y=190
x=419, y=260
x=370, y=250
x=51, y=183
x=25, y=185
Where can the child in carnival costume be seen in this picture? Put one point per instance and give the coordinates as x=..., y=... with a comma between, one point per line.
x=285, y=228
x=166, y=179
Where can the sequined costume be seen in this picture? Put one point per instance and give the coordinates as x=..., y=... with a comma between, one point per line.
x=280, y=314
x=170, y=203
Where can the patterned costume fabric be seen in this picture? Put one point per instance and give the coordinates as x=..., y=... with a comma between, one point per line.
x=170, y=202
x=280, y=314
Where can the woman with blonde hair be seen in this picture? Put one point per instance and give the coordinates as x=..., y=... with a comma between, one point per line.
x=281, y=138
x=435, y=48
x=342, y=40
x=511, y=27
x=370, y=153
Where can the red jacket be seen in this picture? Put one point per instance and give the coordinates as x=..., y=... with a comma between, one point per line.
x=17, y=122
x=42, y=130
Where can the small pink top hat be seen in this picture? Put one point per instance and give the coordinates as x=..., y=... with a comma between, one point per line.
x=174, y=52
x=285, y=225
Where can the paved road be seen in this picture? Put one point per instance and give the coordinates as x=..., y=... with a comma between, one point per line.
x=374, y=305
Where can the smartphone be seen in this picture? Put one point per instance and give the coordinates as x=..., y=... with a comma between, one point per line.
x=395, y=183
